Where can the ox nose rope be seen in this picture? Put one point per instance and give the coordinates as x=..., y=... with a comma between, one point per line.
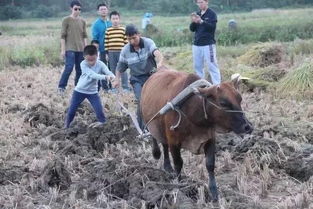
x=192, y=88
x=225, y=110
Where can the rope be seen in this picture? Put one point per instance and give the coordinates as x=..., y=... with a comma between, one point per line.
x=155, y=115
x=204, y=109
x=146, y=126
x=220, y=108
x=172, y=128
x=180, y=113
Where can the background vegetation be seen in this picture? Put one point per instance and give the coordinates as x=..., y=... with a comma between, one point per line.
x=31, y=42
x=13, y=9
x=271, y=168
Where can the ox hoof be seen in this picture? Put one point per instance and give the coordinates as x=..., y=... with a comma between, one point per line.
x=169, y=169
x=156, y=153
x=214, y=193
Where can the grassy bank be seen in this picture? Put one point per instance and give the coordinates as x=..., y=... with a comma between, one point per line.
x=256, y=26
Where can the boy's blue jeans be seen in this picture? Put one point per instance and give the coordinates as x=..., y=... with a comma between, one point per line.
x=77, y=99
x=71, y=58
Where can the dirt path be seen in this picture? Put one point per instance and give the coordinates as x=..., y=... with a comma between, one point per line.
x=105, y=166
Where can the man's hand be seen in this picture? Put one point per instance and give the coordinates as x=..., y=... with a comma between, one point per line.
x=116, y=83
x=62, y=55
x=161, y=67
x=193, y=17
x=110, y=78
x=198, y=19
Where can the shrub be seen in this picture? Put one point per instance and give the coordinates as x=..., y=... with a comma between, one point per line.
x=301, y=47
x=5, y=53
x=51, y=52
x=27, y=56
x=43, y=11
x=10, y=12
x=248, y=34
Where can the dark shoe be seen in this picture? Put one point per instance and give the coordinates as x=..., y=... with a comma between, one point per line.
x=61, y=92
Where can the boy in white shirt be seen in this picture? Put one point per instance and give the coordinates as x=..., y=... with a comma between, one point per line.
x=87, y=86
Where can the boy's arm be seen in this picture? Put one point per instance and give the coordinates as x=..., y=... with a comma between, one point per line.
x=105, y=70
x=125, y=38
x=193, y=26
x=159, y=58
x=63, y=37
x=90, y=73
x=94, y=32
x=85, y=36
x=210, y=24
x=106, y=40
x=62, y=48
x=155, y=53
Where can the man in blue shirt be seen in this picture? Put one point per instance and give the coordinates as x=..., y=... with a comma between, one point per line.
x=98, y=30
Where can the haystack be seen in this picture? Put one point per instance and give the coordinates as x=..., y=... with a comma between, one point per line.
x=262, y=55
x=298, y=83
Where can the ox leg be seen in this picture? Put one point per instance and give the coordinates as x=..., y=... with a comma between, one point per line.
x=210, y=165
x=167, y=162
x=178, y=161
x=156, y=149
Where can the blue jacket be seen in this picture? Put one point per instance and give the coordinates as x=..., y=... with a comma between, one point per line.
x=98, y=32
x=205, y=32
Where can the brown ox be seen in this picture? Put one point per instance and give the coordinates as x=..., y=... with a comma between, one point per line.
x=215, y=107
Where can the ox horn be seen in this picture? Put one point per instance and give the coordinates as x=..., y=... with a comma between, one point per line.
x=236, y=78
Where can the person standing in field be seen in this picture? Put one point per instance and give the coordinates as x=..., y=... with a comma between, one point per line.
x=115, y=40
x=98, y=30
x=143, y=58
x=87, y=87
x=73, y=41
x=203, y=23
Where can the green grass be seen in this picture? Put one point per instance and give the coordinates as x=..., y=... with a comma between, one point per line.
x=257, y=26
x=36, y=42
x=29, y=51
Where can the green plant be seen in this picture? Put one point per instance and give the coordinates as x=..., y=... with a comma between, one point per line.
x=298, y=83
x=10, y=12
x=43, y=11
x=27, y=56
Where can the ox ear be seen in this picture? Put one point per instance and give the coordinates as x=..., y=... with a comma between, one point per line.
x=236, y=78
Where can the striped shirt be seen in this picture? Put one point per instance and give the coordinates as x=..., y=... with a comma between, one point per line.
x=115, y=38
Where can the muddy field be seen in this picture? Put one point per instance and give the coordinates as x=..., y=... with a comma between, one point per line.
x=105, y=166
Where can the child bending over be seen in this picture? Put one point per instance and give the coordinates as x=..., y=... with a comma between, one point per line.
x=87, y=86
